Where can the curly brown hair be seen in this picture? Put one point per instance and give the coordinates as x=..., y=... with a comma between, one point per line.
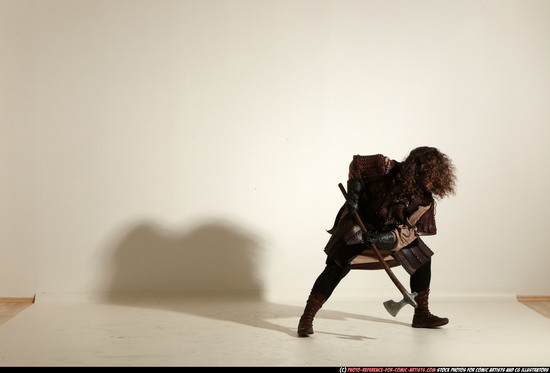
x=426, y=169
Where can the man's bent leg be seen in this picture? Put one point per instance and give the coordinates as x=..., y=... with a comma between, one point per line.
x=420, y=283
x=321, y=291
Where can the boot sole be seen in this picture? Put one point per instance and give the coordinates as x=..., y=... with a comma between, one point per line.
x=304, y=333
x=430, y=326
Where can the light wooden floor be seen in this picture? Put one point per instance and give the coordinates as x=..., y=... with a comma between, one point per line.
x=11, y=307
x=539, y=304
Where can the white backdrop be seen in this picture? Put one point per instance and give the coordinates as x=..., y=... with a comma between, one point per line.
x=197, y=145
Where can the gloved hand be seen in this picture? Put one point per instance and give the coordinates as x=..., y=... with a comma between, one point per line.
x=384, y=241
x=355, y=187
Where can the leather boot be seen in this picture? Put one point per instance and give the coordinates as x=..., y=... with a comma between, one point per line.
x=313, y=304
x=422, y=316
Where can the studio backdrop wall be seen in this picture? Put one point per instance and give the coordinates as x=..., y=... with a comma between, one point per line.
x=196, y=145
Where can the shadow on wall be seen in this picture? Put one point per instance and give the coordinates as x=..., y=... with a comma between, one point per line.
x=209, y=259
x=209, y=271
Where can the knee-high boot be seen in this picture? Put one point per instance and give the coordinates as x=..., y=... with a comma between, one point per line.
x=313, y=305
x=422, y=317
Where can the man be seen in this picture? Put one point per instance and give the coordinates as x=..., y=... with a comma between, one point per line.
x=395, y=201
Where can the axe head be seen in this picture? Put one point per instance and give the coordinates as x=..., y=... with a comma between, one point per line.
x=394, y=307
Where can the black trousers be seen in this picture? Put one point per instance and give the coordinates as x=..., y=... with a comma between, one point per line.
x=333, y=274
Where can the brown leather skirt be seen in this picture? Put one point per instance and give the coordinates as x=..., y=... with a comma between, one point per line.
x=347, y=248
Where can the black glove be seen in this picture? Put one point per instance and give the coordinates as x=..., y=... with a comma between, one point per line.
x=384, y=241
x=355, y=187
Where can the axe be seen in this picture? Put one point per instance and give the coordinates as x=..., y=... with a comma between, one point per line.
x=391, y=306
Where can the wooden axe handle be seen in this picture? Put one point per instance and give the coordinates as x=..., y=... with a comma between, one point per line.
x=373, y=247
